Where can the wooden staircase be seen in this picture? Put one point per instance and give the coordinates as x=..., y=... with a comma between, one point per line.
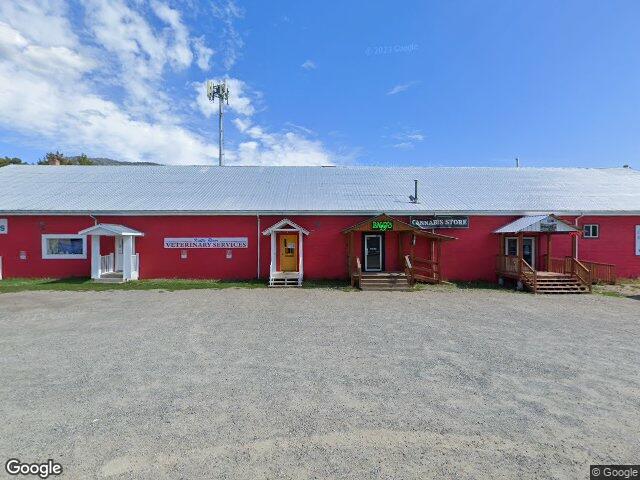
x=555, y=283
x=285, y=279
x=380, y=281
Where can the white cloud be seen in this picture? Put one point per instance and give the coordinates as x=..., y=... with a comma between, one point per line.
x=402, y=87
x=287, y=148
x=407, y=139
x=179, y=52
x=46, y=92
x=309, y=65
x=58, y=85
x=227, y=12
x=203, y=53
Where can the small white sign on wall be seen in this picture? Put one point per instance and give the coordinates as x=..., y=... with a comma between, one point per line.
x=4, y=226
x=638, y=240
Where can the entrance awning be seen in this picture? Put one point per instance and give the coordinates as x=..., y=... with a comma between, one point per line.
x=386, y=223
x=539, y=223
x=111, y=230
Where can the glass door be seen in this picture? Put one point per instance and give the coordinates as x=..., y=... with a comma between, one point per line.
x=373, y=253
x=528, y=249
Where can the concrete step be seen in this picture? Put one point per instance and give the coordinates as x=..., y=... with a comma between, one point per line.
x=109, y=280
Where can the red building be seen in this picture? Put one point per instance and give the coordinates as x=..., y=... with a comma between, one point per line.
x=290, y=223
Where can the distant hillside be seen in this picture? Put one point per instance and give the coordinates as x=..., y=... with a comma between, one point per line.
x=75, y=160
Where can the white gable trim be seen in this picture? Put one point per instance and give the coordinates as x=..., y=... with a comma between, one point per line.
x=534, y=224
x=108, y=229
x=281, y=227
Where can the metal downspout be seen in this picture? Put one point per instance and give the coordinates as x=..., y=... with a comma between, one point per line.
x=258, y=243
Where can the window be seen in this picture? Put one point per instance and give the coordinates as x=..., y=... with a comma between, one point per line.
x=64, y=246
x=289, y=247
x=591, y=231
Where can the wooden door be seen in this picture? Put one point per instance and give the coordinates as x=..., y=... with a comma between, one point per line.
x=288, y=252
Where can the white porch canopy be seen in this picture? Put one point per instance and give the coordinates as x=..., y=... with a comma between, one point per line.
x=281, y=278
x=125, y=260
x=538, y=223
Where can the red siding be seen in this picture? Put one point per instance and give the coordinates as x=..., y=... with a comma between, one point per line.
x=470, y=257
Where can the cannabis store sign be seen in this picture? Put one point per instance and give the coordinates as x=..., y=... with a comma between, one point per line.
x=448, y=221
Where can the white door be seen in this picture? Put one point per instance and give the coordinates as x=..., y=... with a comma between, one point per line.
x=373, y=253
x=118, y=254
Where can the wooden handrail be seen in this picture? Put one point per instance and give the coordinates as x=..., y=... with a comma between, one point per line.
x=580, y=271
x=527, y=270
x=425, y=260
x=507, y=264
x=584, y=271
x=408, y=269
x=425, y=269
x=600, y=272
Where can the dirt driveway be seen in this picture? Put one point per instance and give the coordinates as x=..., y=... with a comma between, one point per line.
x=257, y=384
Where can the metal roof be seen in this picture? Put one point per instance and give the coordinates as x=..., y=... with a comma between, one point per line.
x=322, y=190
x=533, y=224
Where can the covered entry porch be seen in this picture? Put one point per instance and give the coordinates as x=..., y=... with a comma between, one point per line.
x=519, y=243
x=370, y=266
x=121, y=265
x=286, y=268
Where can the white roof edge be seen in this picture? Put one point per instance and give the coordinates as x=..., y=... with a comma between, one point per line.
x=284, y=221
x=480, y=213
x=112, y=228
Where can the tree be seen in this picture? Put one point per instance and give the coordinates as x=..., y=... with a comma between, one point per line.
x=84, y=160
x=10, y=161
x=51, y=158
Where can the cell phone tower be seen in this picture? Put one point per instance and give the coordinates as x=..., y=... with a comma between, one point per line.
x=221, y=92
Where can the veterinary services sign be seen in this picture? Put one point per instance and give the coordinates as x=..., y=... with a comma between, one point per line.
x=207, y=242
x=449, y=221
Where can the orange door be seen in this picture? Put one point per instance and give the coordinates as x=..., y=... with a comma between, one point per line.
x=288, y=252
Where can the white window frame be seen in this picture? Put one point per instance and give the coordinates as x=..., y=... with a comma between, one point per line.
x=67, y=256
x=591, y=225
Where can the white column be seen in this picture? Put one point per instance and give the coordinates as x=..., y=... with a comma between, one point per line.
x=273, y=252
x=301, y=261
x=127, y=251
x=95, y=257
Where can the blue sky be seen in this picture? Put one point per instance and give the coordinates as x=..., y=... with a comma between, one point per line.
x=369, y=83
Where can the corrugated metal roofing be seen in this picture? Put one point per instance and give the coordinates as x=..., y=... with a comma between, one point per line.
x=521, y=224
x=365, y=190
x=532, y=224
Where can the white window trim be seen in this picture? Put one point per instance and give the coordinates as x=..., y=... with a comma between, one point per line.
x=591, y=229
x=68, y=256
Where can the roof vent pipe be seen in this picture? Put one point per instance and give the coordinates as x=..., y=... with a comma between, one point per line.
x=414, y=197
x=517, y=162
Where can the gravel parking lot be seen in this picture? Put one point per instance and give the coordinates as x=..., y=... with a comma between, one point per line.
x=257, y=384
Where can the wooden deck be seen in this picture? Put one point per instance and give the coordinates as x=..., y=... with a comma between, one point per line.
x=574, y=277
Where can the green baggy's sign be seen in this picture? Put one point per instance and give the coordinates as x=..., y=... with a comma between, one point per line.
x=381, y=225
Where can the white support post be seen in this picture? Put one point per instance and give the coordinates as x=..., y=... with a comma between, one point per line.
x=273, y=253
x=127, y=252
x=95, y=257
x=301, y=261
